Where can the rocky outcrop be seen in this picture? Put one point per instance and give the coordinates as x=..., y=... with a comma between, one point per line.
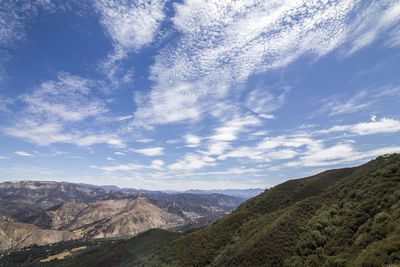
x=14, y=235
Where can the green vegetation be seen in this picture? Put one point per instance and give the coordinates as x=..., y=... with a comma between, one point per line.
x=99, y=252
x=31, y=256
x=345, y=217
x=131, y=252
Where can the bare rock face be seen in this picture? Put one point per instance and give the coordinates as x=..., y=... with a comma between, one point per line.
x=15, y=235
x=36, y=212
x=130, y=218
x=111, y=218
x=100, y=219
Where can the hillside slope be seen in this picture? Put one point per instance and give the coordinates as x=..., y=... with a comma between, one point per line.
x=345, y=217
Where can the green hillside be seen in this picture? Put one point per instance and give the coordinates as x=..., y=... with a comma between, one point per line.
x=130, y=252
x=345, y=217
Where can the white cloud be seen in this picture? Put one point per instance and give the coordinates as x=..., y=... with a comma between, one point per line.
x=151, y=151
x=145, y=140
x=110, y=158
x=68, y=99
x=23, y=154
x=267, y=116
x=120, y=167
x=272, y=148
x=338, y=154
x=172, y=141
x=48, y=133
x=177, y=103
x=155, y=165
x=323, y=156
x=263, y=101
x=4, y=102
x=260, y=133
x=230, y=171
x=229, y=130
x=192, y=140
x=384, y=125
x=372, y=19
x=123, y=118
x=4, y=157
x=119, y=153
x=244, y=152
x=217, y=148
x=62, y=111
x=223, y=43
x=338, y=106
x=282, y=154
x=311, y=150
x=14, y=18
x=192, y=161
x=15, y=15
x=130, y=25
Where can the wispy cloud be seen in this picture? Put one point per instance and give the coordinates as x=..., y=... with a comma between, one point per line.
x=14, y=18
x=192, y=140
x=223, y=44
x=384, y=125
x=229, y=130
x=48, y=133
x=263, y=101
x=338, y=154
x=372, y=19
x=364, y=99
x=55, y=111
x=23, y=154
x=356, y=103
x=68, y=98
x=313, y=148
x=145, y=140
x=151, y=151
x=130, y=26
x=192, y=161
x=155, y=165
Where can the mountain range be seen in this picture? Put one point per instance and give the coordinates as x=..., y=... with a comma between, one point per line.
x=33, y=212
x=340, y=217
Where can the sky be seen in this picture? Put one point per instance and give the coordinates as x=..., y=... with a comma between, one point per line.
x=175, y=95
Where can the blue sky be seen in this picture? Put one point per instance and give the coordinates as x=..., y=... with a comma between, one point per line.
x=196, y=94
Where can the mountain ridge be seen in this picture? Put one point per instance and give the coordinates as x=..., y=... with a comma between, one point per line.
x=92, y=212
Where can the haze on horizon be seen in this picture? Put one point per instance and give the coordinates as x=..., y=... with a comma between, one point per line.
x=175, y=95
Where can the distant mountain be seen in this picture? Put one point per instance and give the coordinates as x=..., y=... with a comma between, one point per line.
x=343, y=217
x=82, y=211
x=241, y=193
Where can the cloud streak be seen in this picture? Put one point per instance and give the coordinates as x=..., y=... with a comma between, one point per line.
x=23, y=154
